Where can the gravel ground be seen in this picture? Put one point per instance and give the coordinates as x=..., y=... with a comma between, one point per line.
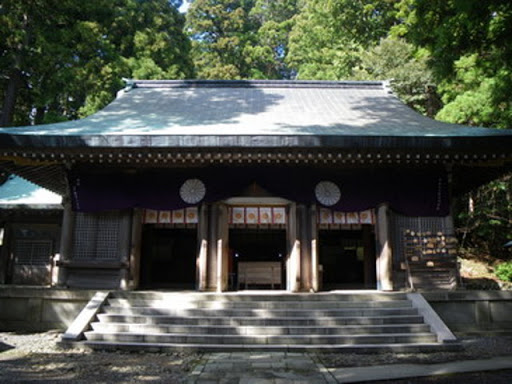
x=35, y=358
x=494, y=377
x=473, y=348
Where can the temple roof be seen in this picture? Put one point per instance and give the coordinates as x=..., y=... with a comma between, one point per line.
x=182, y=123
x=191, y=108
x=17, y=192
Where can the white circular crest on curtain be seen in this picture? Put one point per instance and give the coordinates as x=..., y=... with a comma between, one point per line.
x=327, y=193
x=192, y=191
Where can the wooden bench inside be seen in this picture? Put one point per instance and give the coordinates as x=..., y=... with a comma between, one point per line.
x=259, y=273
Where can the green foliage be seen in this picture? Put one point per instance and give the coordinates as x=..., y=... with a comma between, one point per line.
x=240, y=39
x=406, y=67
x=328, y=36
x=471, y=54
x=470, y=98
x=274, y=20
x=65, y=59
x=485, y=217
x=453, y=28
x=504, y=271
x=219, y=30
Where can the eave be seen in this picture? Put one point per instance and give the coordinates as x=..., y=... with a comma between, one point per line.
x=47, y=166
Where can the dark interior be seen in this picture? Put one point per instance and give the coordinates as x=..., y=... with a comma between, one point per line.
x=255, y=244
x=347, y=259
x=168, y=258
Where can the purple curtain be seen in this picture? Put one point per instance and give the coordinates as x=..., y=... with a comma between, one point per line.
x=418, y=192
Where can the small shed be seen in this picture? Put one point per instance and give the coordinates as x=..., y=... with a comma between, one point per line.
x=30, y=219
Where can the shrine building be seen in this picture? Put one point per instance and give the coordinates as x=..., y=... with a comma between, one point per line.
x=235, y=185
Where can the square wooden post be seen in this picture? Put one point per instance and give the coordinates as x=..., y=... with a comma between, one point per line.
x=211, y=257
x=222, y=248
x=66, y=241
x=315, y=283
x=202, y=251
x=384, y=262
x=293, y=257
x=135, y=248
x=305, y=235
x=4, y=254
x=125, y=237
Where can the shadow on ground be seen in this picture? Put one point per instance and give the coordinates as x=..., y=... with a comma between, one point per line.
x=97, y=367
x=5, y=347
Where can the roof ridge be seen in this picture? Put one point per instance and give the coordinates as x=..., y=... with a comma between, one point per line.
x=190, y=83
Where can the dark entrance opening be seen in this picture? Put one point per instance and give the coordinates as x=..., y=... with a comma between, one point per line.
x=168, y=258
x=257, y=258
x=347, y=258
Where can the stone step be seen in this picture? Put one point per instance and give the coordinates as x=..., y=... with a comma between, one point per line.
x=281, y=296
x=260, y=330
x=317, y=348
x=132, y=337
x=264, y=321
x=218, y=304
x=263, y=313
x=257, y=321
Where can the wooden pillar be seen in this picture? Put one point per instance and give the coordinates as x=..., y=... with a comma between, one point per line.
x=135, y=248
x=222, y=248
x=315, y=283
x=202, y=248
x=66, y=241
x=293, y=257
x=305, y=236
x=369, y=257
x=211, y=264
x=384, y=262
x=125, y=236
x=4, y=254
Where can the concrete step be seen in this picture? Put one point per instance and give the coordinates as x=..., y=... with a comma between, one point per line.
x=264, y=313
x=263, y=321
x=159, y=338
x=251, y=296
x=260, y=330
x=347, y=348
x=256, y=321
x=262, y=304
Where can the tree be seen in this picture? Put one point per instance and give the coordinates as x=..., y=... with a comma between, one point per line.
x=327, y=36
x=65, y=59
x=484, y=218
x=220, y=31
x=274, y=20
x=38, y=41
x=470, y=96
x=469, y=42
x=148, y=42
x=406, y=67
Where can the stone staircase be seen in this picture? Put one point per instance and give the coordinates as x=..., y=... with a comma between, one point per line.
x=161, y=321
x=430, y=274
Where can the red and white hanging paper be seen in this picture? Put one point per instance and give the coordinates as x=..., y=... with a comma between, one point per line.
x=257, y=215
x=179, y=216
x=329, y=217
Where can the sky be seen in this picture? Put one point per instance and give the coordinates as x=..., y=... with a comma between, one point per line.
x=184, y=6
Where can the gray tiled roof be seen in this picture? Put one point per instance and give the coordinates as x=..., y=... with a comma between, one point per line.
x=233, y=108
x=16, y=192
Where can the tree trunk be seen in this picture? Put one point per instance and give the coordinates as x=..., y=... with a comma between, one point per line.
x=11, y=94
x=39, y=116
